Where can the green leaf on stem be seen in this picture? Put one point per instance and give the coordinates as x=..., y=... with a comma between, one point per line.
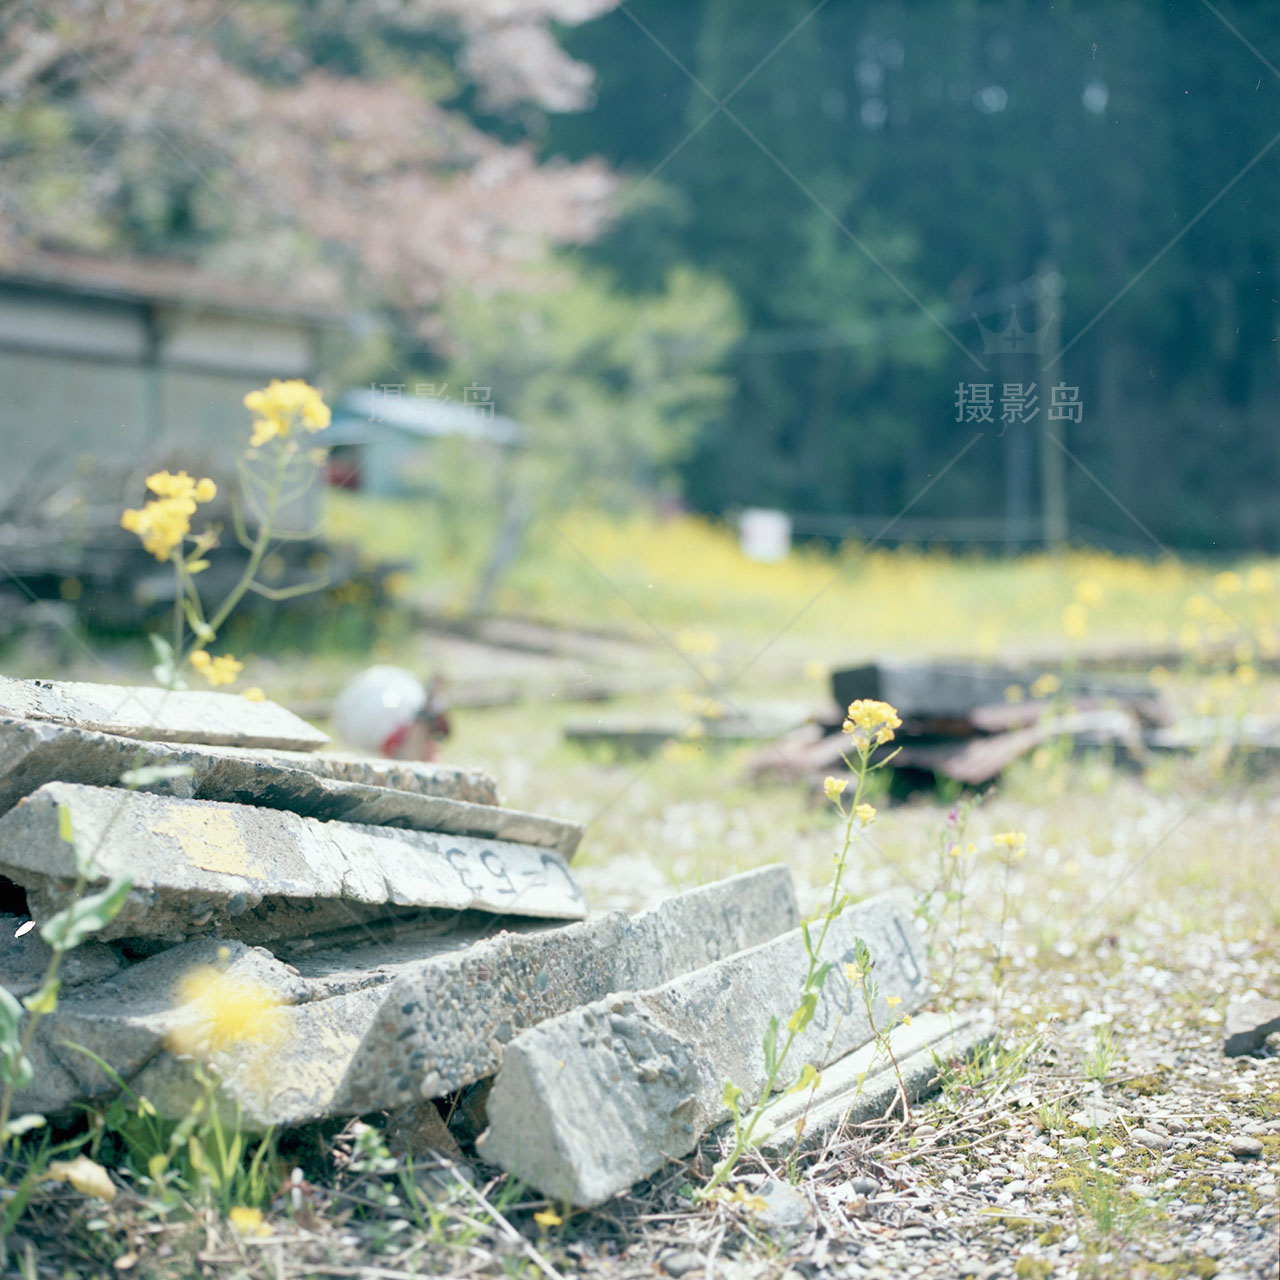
x=15, y=1070
x=46, y=999
x=804, y=1013
x=810, y=1078
x=166, y=671
x=771, y=1046
x=72, y=925
x=199, y=627
x=730, y=1096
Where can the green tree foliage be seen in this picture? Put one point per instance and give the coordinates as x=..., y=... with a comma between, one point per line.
x=613, y=386
x=963, y=144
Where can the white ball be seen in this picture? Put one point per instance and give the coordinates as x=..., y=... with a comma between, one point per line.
x=375, y=706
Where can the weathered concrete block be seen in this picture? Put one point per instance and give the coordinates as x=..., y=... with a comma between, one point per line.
x=447, y=1024
x=384, y=1016
x=33, y=752
x=159, y=715
x=588, y=1103
x=863, y=1085
x=203, y=867
x=942, y=690
x=1249, y=1023
x=427, y=778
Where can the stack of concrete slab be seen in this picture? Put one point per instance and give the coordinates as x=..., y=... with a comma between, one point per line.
x=969, y=721
x=405, y=936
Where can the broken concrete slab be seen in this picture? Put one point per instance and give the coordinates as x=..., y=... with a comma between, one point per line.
x=33, y=752
x=978, y=760
x=24, y=959
x=590, y=1102
x=206, y=867
x=423, y=777
x=863, y=1086
x=443, y=1028
x=160, y=715
x=1252, y=737
x=636, y=737
x=1249, y=1022
x=388, y=1015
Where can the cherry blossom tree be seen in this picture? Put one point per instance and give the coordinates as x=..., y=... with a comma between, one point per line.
x=349, y=151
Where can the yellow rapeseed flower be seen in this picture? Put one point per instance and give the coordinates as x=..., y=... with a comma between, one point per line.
x=834, y=787
x=906, y=1019
x=165, y=520
x=1014, y=841
x=548, y=1218
x=893, y=1001
x=248, y=1221
x=282, y=406
x=740, y=1195
x=1045, y=686
x=220, y=670
x=698, y=642
x=1258, y=580
x=254, y=694
x=1088, y=592
x=219, y=1010
x=1075, y=621
x=866, y=813
x=870, y=723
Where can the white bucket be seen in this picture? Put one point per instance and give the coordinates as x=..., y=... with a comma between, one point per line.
x=764, y=534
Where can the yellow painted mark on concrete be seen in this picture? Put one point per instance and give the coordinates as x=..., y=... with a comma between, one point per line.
x=210, y=840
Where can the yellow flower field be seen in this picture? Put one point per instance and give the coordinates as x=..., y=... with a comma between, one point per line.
x=819, y=606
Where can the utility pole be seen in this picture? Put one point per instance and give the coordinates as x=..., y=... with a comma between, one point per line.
x=1053, y=472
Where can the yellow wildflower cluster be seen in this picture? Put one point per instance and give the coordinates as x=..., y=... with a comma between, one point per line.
x=220, y=1010
x=222, y=670
x=282, y=406
x=741, y=1196
x=870, y=723
x=1075, y=620
x=166, y=519
x=1045, y=686
x=1014, y=841
x=834, y=787
x=866, y=813
x=248, y=1221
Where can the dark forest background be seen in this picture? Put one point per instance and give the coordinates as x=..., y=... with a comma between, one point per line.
x=971, y=147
